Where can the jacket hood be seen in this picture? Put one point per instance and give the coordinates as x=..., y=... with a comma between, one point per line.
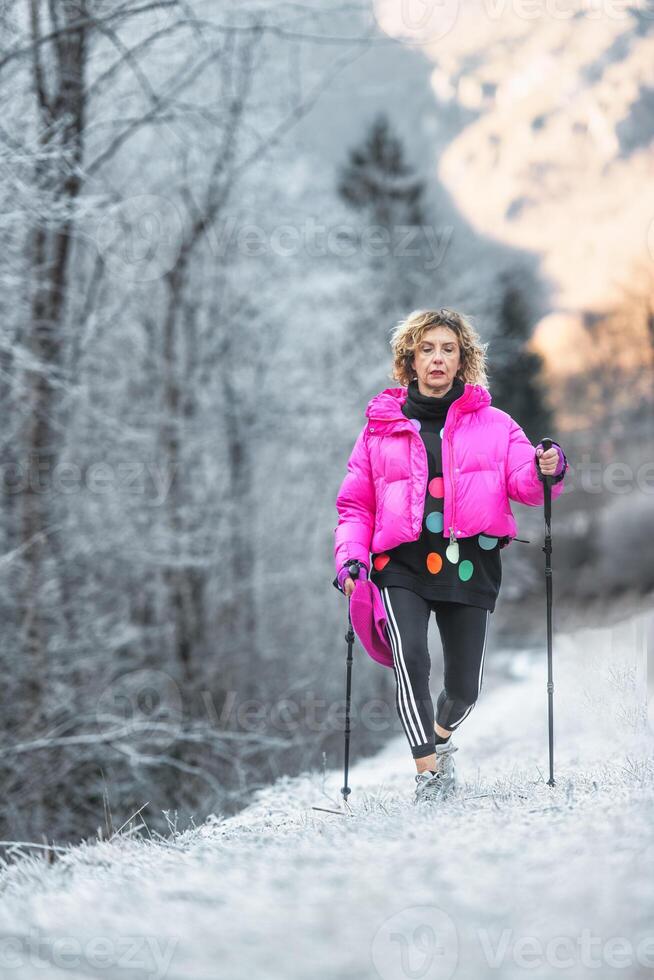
x=387, y=405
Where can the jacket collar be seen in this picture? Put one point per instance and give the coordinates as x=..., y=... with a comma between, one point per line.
x=387, y=405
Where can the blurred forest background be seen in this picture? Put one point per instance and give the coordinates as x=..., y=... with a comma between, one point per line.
x=213, y=214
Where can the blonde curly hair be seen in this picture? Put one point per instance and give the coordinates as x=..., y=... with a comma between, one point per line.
x=409, y=332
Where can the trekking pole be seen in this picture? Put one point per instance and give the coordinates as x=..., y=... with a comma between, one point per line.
x=547, y=498
x=354, y=567
x=349, y=636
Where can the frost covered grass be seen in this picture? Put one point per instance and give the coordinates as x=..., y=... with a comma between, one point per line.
x=510, y=878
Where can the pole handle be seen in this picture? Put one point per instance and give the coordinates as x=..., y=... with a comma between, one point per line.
x=546, y=443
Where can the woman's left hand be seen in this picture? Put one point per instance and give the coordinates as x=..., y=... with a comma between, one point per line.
x=548, y=461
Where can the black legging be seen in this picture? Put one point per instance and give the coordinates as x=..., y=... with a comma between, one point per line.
x=463, y=630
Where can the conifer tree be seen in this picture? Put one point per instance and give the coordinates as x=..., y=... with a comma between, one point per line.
x=515, y=371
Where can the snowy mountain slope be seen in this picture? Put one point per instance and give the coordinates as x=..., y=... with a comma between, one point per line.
x=547, y=143
x=557, y=155
x=511, y=874
x=533, y=125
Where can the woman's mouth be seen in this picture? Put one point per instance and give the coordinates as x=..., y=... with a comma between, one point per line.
x=435, y=373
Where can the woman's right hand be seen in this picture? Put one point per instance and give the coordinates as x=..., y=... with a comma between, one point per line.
x=348, y=586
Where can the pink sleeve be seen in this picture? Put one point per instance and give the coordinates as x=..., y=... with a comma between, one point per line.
x=355, y=503
x=522, y=480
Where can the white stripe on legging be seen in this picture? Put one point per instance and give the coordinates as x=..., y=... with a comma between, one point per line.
x=481, y=668
x=400, y=669
x=407, y=701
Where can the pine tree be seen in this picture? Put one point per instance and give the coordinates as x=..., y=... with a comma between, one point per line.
x=377, y=179
x=378, y=183
x=515, y=371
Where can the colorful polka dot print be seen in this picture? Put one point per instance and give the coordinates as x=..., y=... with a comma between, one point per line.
x=380, y=561
x=415, y=423
x=434, y=562
x=466, y=568
x=434, y=522
x=452, y=552
x=486, y=542
x=436, y=487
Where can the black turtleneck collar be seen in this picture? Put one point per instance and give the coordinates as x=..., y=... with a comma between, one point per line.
x=419, y=406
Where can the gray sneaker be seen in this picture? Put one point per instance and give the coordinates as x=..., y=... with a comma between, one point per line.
x=430, y=787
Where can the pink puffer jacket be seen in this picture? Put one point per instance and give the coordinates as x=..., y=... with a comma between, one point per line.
x=487, y=460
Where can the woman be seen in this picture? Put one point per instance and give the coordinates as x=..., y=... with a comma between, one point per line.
x=427, y=492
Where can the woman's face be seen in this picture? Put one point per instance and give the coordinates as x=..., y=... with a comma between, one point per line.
x=436, y=360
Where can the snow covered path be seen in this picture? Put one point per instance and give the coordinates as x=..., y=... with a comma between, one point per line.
x=512, y=879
